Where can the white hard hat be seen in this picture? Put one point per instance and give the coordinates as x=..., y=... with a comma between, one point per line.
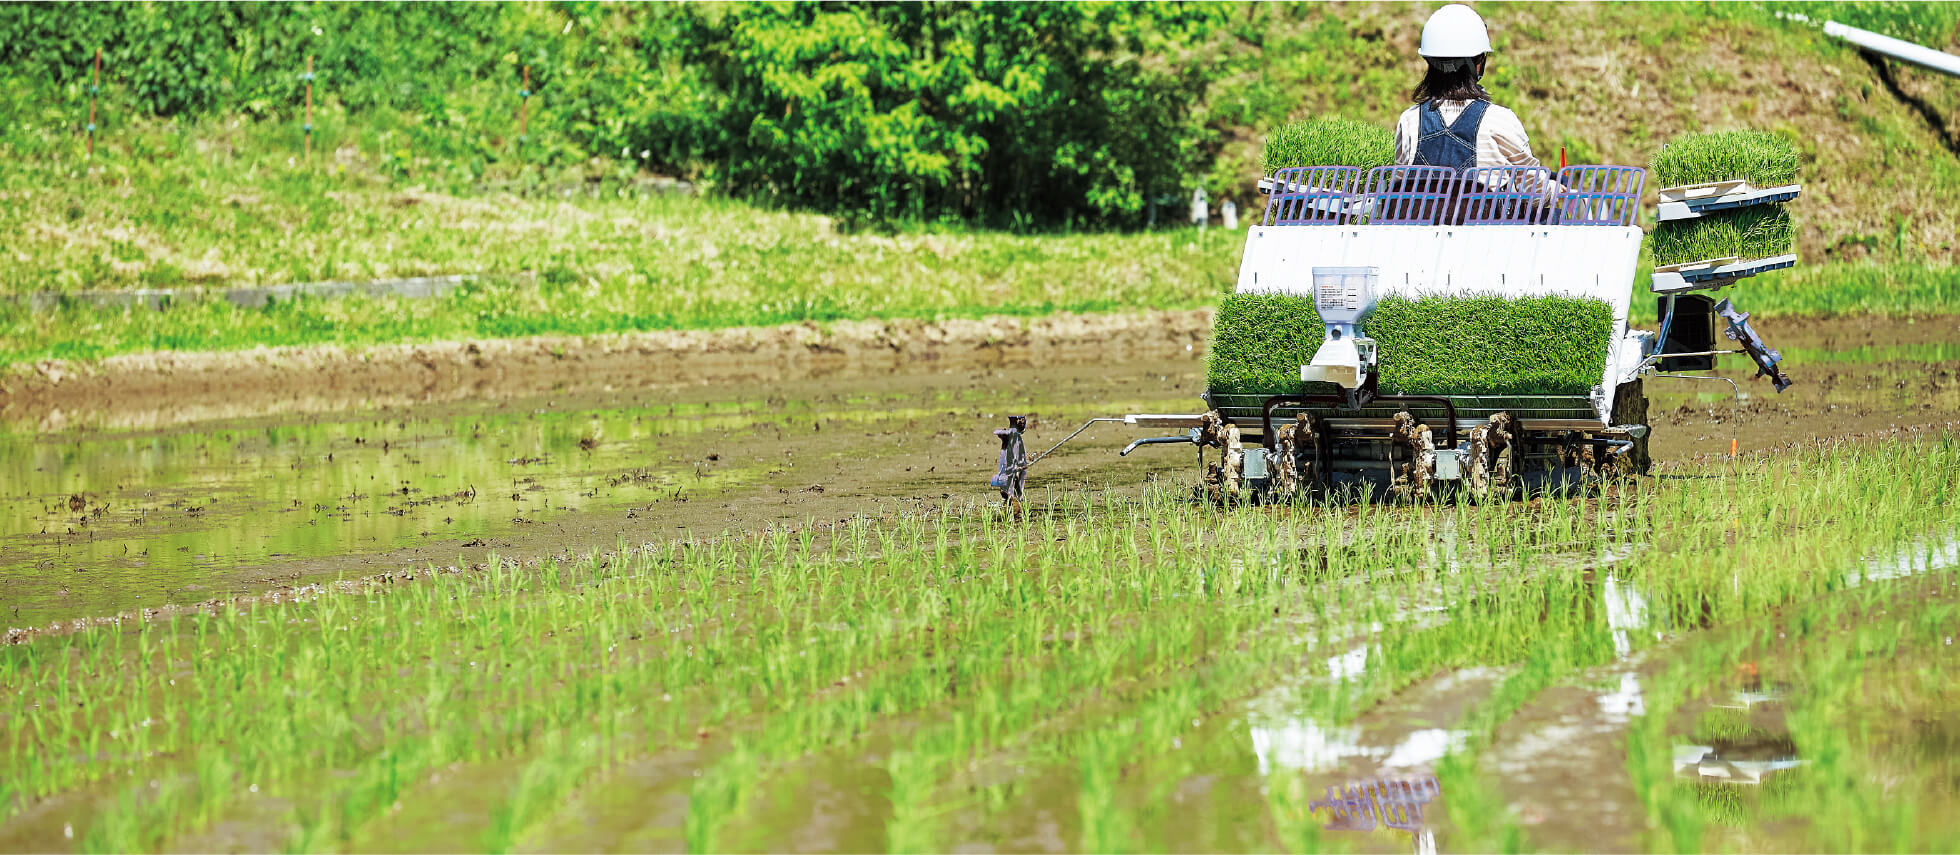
x=1453, y=32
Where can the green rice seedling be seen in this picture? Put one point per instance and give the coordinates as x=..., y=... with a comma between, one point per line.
x=1723, y=724
x=1328, y=141
x=1757, y=232
x=1105, y=823
x=1288, y=800
x=1761, y=158
x=1466, y=345
x=982, y=649
x=914, y=775
x=1721, y=803
x=1259, y=340
x=1480, y=344
x=1832, y=650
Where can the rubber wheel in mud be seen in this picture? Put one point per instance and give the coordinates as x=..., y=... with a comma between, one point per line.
x=1630, y=408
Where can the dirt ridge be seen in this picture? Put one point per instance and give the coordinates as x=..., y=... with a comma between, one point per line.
x=161, y=388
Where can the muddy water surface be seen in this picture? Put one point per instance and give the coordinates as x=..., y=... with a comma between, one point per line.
x=96, y=519
x=93, y=522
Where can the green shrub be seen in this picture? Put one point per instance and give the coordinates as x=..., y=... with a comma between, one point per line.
x=1756, y=232
x=1454, y=345
x=189, y=58
x=1331, y=141
x=1763, y=159
x=1046, y=113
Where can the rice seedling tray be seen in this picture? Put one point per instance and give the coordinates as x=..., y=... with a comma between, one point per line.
x=1713, y=273
x=1745, y=233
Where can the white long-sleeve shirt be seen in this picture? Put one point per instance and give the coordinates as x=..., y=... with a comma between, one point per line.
x=1501, y=140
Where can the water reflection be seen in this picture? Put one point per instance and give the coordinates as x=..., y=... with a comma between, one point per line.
x=1923, y=555
x=1624, y=702
x=1740, y=738
x=1423, y=748
x=1626, y=611
x=1285, y=740
x=1349, y=665
x=106, y=515
x=1303, y=745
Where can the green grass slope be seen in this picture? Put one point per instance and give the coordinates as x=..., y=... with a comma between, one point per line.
x=228, y=200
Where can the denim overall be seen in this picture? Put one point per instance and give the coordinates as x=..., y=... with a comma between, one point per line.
x=1453, y=145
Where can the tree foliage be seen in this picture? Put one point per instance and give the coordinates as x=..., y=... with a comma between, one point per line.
x=188, y=58
x=1002, y=113
x=990, y=112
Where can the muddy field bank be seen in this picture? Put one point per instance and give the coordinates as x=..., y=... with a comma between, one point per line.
x=156, y=389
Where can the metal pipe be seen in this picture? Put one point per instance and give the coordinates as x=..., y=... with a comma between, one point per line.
x=1899, y=49
x=1711, y=353
x=1269, y=439
x=1449, y=411
x=1155, y=440
x=1266, y=411
x=1078, y=432
x=1735, y=416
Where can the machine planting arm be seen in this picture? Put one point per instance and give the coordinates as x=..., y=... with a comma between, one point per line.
x=1765, y=356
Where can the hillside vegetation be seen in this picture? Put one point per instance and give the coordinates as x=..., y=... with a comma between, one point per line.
x=1612, y=82
x=199, y=177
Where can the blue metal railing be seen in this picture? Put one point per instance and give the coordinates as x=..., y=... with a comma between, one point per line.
x=1411, y=195
x=1587, y=195
x=1506, y=196
x=1312, y=195
x=1600, y=195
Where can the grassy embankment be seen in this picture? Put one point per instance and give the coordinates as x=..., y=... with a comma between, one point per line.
x=222, y=201
x=974, y=672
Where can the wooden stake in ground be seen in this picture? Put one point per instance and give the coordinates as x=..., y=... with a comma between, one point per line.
x=524, y=109
x=93, y=90
x=309, y=107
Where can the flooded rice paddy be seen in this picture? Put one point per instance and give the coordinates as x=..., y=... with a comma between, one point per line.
x=806, y=629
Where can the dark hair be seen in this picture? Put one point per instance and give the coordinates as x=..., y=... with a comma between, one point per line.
x=1456, y=85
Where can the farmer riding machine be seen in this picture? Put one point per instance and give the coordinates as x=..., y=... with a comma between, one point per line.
x=1420, y=331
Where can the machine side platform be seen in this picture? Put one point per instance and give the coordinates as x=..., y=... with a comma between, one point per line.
x=1694, y=201
x=1710, y=275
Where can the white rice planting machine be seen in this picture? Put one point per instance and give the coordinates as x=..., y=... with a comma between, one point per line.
x=1348, y=238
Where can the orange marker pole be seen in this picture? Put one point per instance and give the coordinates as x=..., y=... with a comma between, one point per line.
x=1561, y=157
x=94, y=89
x=1732, y=443
x=309, y=107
